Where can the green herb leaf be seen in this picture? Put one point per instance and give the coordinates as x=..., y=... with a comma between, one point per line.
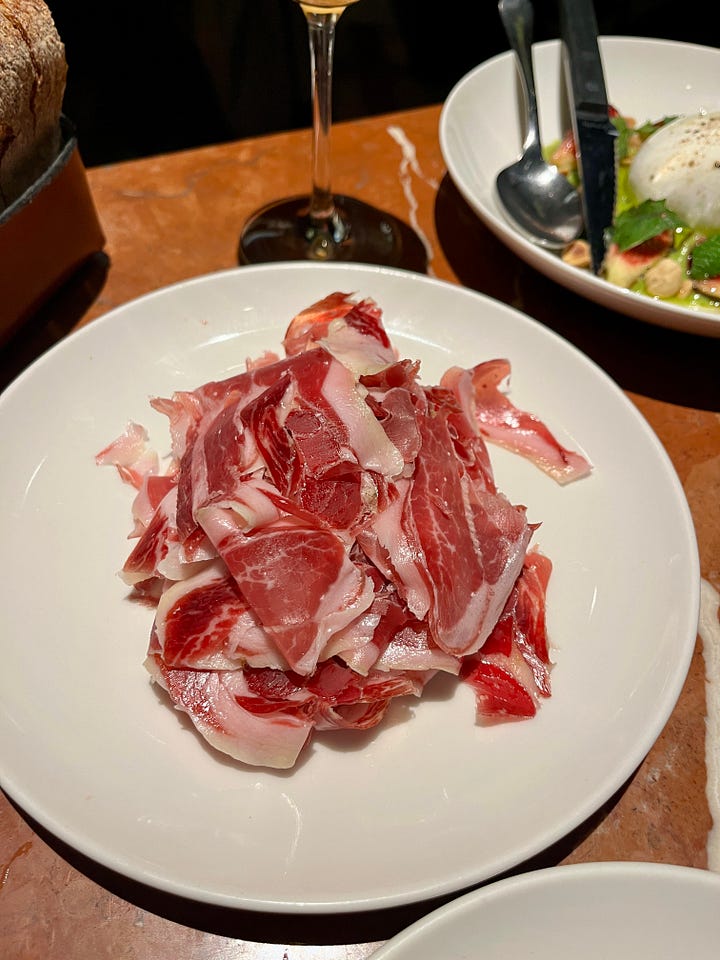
x=623, y=137
x=706, y=259
x=651, y=126
x=638, y=224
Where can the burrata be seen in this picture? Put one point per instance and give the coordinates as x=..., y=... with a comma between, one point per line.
x=680, y=163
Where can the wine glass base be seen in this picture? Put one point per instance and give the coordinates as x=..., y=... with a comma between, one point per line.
x=359, y=233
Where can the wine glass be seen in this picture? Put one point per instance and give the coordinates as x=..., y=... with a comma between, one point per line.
x=323, y=225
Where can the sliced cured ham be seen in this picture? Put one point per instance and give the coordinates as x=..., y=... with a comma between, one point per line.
x=205, y=623
x=213, y=701
x=297, y=578
x=511, y=674
x=479, y=392
x=453, y=518
x=352, y=332
x=327, y=535
x=131, y=455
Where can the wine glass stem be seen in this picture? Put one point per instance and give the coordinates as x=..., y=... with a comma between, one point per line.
x=321, y=28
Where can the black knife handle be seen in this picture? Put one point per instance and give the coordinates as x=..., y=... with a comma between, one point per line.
x=578, y=29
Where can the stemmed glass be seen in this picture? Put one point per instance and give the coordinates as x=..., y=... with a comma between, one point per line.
x=323, y=225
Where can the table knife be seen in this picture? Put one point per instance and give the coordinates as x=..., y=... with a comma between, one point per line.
x=595, y=135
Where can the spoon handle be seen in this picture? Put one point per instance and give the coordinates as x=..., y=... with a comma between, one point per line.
x=518, y=20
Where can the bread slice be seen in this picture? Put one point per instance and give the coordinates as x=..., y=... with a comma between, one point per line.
x=33, y=72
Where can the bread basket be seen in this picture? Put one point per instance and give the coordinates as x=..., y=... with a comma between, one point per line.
x=46, y=234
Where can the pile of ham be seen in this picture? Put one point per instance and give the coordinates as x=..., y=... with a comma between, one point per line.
x=328, y=535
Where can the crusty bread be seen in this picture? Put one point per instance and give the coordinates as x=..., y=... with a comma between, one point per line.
x=33, y=72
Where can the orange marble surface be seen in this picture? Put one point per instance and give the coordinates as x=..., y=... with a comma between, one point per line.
x=172, y=217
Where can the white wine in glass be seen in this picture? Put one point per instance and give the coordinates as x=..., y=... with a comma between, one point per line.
x=323, y=225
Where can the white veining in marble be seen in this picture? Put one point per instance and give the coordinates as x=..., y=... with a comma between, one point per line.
x=409, y=165
x=709, y=630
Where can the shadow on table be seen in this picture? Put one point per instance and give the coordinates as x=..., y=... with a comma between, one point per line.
x=54, y=319
x=310, y=929
x=669, y=365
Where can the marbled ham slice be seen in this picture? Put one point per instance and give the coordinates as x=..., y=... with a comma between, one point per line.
x=478, y=390
x=391, y=542
x=264, y=717
x=312, y=323
x=397, y=399
x=453, y=517
x=156, y=545
x=334, y=696
x=328, y=535
x=205, y=623
x=511, y=674
x=298, y=580
x=210, y=698
x=352, y=332
x=138, y=466
x=131, y=454
x=310, y=430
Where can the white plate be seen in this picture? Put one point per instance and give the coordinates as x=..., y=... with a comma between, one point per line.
x=425, y=805
x=642, y=911
x=481, y=132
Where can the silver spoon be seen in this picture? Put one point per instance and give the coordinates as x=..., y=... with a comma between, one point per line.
x=538, y=200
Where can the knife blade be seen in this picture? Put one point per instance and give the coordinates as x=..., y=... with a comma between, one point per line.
x=595, y=135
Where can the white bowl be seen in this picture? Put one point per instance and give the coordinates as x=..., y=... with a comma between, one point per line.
x=481, y=131
x=642, y=911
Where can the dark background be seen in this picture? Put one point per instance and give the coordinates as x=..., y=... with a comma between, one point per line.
x=167, y=75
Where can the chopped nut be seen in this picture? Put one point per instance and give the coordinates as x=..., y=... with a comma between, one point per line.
x=564, y=162
x=577, y=254
x=664, y=278
x=686, y=288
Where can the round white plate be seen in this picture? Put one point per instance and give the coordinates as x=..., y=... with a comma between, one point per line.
x=426, y=804
x=642, y=911
x=481, y=131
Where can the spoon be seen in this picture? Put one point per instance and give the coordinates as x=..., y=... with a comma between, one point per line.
x=538, y=200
